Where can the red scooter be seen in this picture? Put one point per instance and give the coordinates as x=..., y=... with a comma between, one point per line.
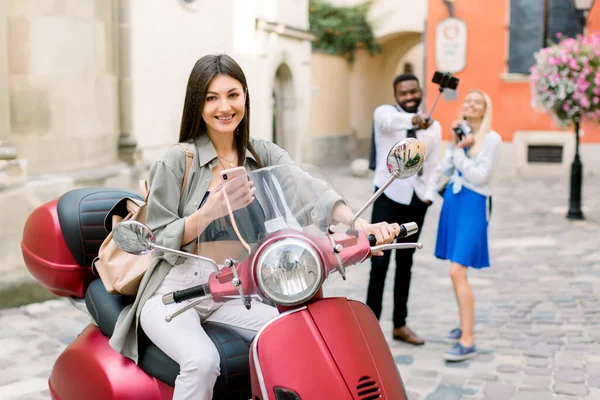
x=279, y=251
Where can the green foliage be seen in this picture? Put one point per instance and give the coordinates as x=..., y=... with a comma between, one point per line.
x=342, y=30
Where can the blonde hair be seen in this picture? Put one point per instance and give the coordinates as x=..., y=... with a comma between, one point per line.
x=486, y=122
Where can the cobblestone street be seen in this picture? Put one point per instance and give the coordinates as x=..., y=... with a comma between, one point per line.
x=537, y=308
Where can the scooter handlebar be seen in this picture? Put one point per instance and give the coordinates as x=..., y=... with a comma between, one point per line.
x=186, y=294
x=410, y=228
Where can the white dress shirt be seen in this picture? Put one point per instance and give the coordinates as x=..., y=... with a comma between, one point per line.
x=391, y=124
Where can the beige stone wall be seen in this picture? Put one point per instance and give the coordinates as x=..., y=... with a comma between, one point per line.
x=330, y=103
x=398, y=25
x=293, y=57
x=162, y=56
x=372, y=77
x=389, y=17
x=122, y=51
x=288, y=12
x=4, y=99
x=345, y=95
x=62, y=83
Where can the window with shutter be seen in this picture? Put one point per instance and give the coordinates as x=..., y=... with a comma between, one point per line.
x=530, y=21
x=563, y=20
x=526, y=34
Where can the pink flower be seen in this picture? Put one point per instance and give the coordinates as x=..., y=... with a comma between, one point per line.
x=582, y=85
x=573, y=64
x=567, y=77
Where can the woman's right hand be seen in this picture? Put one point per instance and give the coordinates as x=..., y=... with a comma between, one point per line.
x=239, y=192
x=420, y=122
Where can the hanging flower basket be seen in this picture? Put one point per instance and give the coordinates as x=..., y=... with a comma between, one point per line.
x=565, y=80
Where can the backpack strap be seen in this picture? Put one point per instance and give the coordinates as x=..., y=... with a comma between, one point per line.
x=189, y=156
x=145, y=189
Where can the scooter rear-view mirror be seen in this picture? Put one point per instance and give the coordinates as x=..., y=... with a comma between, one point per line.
x=135, y=238
x=404, y=160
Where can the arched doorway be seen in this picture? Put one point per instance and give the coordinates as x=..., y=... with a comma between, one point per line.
x=283, y=108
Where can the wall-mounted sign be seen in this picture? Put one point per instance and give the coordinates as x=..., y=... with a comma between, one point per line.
x=451, y=45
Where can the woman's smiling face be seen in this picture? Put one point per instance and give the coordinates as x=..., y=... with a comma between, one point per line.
x=474, y=106
x=224, y=105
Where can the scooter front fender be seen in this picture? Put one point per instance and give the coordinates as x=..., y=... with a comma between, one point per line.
x=331, y=349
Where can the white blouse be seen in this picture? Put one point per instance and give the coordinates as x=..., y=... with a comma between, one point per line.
x=475, y=173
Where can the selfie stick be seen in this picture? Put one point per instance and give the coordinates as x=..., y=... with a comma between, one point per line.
x=435, y=102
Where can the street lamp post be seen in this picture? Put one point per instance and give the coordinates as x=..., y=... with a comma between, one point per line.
x=576, y=178
x=582, y=7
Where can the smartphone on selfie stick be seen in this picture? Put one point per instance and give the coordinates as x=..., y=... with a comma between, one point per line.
x=445, y=80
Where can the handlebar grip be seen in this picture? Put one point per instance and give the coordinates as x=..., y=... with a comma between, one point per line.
x=372, y=240
x=186, y=294
x=403, y=233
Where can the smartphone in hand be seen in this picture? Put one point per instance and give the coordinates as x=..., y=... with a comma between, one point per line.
x=232, y=173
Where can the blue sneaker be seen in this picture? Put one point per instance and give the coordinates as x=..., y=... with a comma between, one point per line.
x=453, y=336
x=460, y=353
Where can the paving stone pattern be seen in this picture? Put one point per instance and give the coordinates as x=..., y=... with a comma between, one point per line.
x=537, y=309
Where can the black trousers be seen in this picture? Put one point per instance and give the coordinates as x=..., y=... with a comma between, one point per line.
x=388, y=210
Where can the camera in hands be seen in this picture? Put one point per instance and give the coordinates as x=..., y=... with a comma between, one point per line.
x=462, y=130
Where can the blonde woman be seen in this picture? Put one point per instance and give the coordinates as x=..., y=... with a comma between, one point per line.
x=462, y=233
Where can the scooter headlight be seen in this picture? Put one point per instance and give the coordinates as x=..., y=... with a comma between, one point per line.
x=289, y=272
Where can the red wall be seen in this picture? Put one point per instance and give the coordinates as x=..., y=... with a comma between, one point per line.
x=487, y=55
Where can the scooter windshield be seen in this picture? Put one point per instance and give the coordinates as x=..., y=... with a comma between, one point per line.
x=283, y=197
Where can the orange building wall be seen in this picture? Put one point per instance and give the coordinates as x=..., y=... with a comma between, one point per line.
x=487, y=55
x=593, y=23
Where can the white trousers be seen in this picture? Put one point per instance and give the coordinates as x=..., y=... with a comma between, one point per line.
x=184, y=340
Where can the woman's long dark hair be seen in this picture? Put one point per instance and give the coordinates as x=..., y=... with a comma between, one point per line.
x=192, y=125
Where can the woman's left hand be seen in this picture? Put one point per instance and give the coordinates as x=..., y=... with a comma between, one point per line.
x=384, y=232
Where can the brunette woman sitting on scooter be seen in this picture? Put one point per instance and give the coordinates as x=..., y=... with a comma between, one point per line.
x=215, y=128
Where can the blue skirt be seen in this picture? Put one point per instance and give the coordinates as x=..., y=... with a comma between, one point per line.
x=462, y=231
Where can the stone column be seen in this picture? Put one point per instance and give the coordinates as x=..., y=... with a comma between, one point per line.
x=12, y=169
x=128, y=146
